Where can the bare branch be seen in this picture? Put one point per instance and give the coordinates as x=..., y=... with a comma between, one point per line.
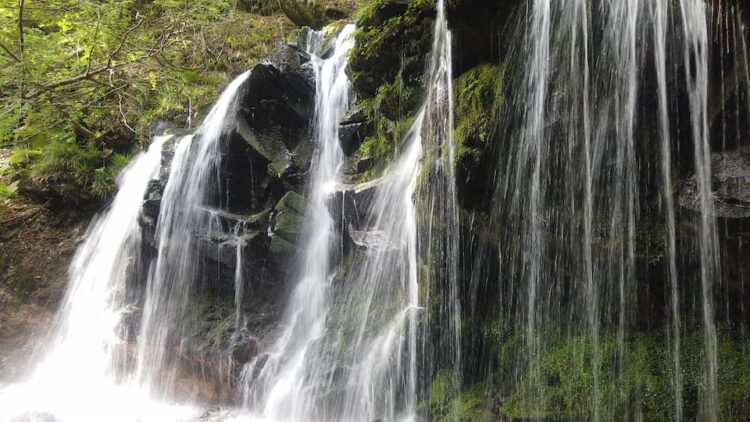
x=79, y=78
x=124, y=120
x=9, y=52
x=93, y=42
x=122, y=41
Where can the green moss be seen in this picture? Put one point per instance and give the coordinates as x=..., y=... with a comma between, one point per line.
x=280, y=249
x=397, y=99
x=72, y=171
x=288, y=225
x=210, y=323
x=478, y=95
x=382, y=145
x=8, y=190
x=23, y=156
x=291, y=200
x=560, y=383
x=390, y=32
x=312, y=13
x=442, y=392
x=260, y=315
x=446, y=404
x=387, y=65
x=288, y=216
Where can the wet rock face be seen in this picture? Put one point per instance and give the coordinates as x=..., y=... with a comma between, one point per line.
x=266, y=153
x=730, y=185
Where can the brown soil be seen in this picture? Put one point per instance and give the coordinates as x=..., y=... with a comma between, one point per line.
x=36, y=246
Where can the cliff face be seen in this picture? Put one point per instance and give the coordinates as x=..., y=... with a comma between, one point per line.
x=491, y=95
x=267, y=158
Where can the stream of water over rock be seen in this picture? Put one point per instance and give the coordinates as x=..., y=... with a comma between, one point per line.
x=398, y=306
x=348, y=347
x=584, y=179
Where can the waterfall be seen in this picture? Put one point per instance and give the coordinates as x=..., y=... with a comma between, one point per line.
x=577, y=189
x=193, y=179
x=438, y=219
x=88, y=345
x=589, y=284
x=660, y=22
x=288, y=378
x=352, y=341
x=696, y=74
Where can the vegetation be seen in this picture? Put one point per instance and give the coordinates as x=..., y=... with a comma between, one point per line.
x=390, y=33
x=559, y=384
x=82, y=80
x=478, y=98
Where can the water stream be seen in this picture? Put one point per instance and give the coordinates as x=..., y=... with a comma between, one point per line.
x=88, y=345
x=581, y=184
x=585, y=217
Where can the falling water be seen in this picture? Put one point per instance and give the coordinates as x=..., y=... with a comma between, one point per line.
x=288, y=378
x=660, y=22
x=239, y=279
x=696, y=74
x=87, y=341
x=193, y=180
x=530, y=162
x=437, y=217
x=350, y=349
x=375, y=313
x=576, y=185
x=91, y=346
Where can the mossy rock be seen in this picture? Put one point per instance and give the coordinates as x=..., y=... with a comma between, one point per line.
x=392, y=38
x=269, y=147
x=210, y=323
x=288, y=218
x=560, y=382
x=478, y=97
x=291, y=200
x=447, y=403
x=312, y=13
x=281, y=251
x=387, y=65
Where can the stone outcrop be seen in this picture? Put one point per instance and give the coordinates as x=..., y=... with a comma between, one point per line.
x=265, y=159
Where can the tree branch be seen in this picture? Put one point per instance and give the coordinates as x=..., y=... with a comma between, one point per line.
x=79, y=78
x=10, y=53
x=122, y=41
x=156, y=49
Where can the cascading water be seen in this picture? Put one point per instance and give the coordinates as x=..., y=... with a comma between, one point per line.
x=355, y=336
x=660, y=23
x=352, y=343
x=193, y=180
x=577, y=189
x=695, y=63
x=439, y=344
x=87, y=347
x=285, y=385
x=592, y=286
x=90, y=346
